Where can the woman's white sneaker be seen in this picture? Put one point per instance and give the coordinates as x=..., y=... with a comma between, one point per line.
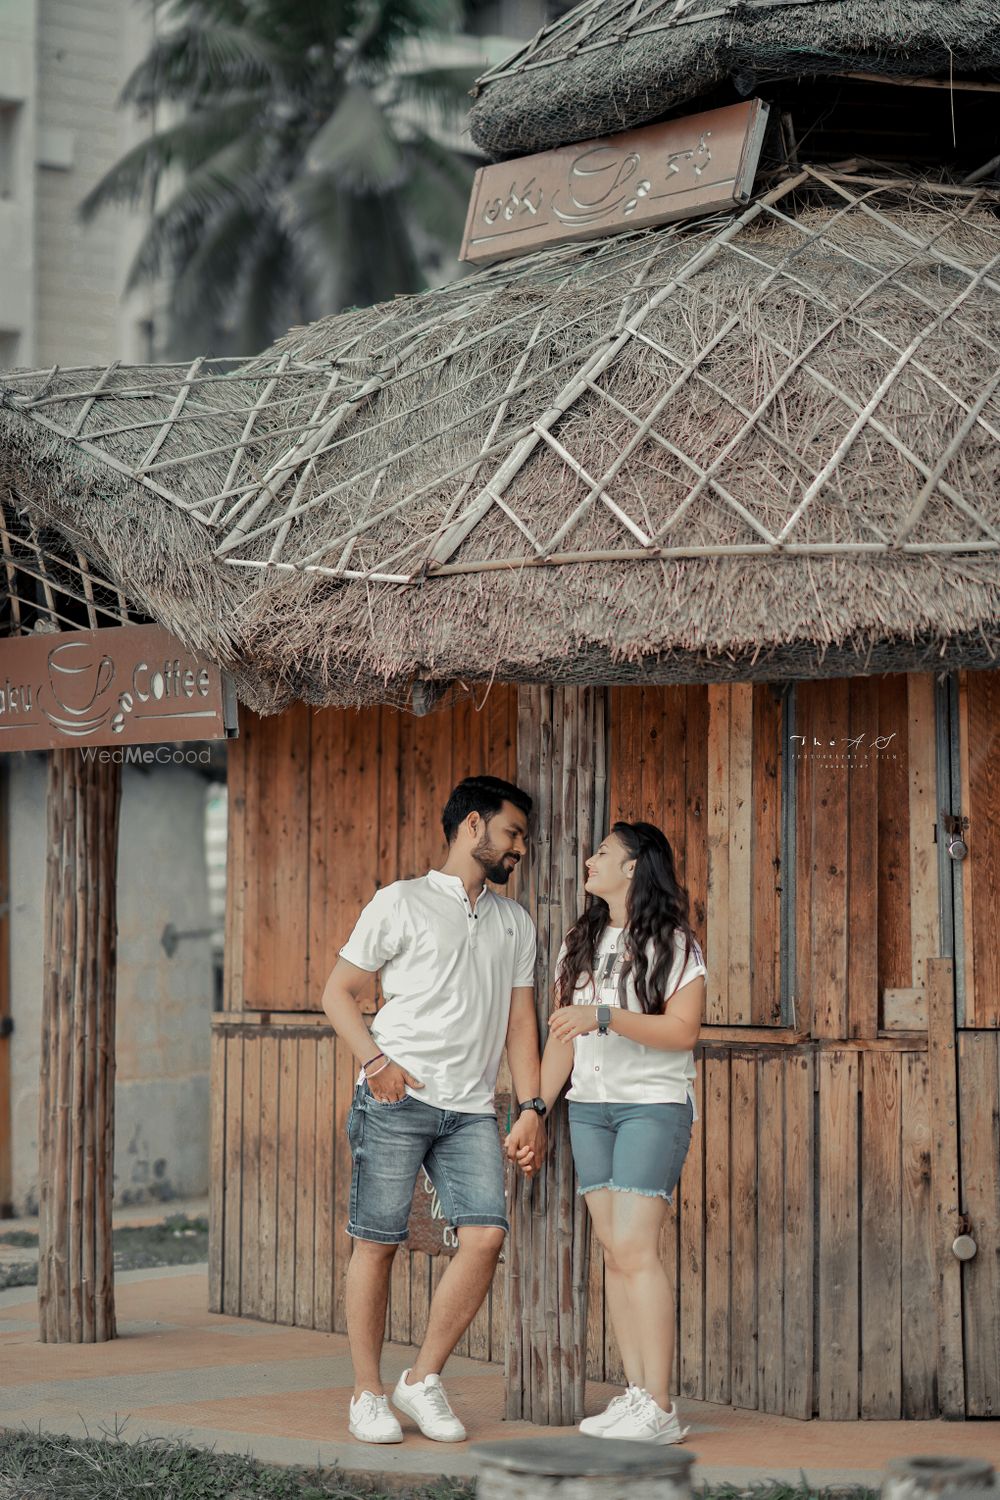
x=597, y=1426
x=643, y=1421
x=371, y=1421
x=426, y=1402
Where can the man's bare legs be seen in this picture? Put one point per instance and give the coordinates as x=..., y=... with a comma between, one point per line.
x=368, y=1273
x=459, y=1296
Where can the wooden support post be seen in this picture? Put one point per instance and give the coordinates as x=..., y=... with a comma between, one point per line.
x=6, y=1177
x=77, y=1076
x=562, y=761
x=944, y=1183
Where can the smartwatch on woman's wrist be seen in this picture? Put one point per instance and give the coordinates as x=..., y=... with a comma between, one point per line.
x=603, y=1020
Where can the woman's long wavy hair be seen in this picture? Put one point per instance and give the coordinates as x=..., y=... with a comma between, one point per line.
x=656, y=909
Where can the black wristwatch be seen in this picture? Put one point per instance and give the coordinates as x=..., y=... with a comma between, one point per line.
x=538, y=1105
x=603, y=1020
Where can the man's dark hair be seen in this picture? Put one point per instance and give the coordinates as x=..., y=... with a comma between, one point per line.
x=484, y=795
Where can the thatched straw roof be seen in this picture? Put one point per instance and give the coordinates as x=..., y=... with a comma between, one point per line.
x=757, y=446
x=611, y=64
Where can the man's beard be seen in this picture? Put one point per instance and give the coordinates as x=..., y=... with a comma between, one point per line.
x=495, y=866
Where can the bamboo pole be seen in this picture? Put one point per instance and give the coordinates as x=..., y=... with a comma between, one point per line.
x=561, y=761
x=76, y=1083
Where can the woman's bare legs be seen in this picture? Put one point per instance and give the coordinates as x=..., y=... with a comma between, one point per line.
x=640, y=1295
x=600, y=1206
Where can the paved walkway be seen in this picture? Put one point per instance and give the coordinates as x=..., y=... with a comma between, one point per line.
x=282, y=1393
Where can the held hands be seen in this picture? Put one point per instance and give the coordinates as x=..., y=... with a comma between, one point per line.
x=388, y=1082
x=526, y=1142
x=570, y=1021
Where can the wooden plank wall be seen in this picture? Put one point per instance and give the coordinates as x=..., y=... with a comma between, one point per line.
x=826, y=1128
x=867, y=856
x=324, y=806
x=704, y=765
x=6, y=1177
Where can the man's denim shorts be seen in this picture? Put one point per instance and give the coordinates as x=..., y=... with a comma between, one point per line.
x=389, y=1145
x=630, y=1148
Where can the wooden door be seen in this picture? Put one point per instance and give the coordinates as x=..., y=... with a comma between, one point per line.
x=978, y=1048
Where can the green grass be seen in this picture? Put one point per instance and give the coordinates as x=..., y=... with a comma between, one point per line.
x=176, y=1241
x=39, y=1466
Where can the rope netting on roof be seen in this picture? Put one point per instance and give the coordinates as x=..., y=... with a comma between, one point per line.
x=768, y=430
x=611, y=64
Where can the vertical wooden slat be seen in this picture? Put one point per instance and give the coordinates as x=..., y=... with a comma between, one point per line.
x=498, y=1311
x=770, y=1263
x=718, y=919
x=288, y=1101
x=216, y=1166
x=279, y=945
x=327, y=767
x=718, y=1247
x=233, y=1230
x=800, y=1239
x=895, y=964
x=691, y=1291
x=969, y=685
x=944, y=1183
x=250, y=1219
x=838, y=1236
x=399, y=1322
x=863, y=860
x=805, y=798
x=767, y=874
x=696, y=808
x=744, y=1222
x=626, y=753
x=919, y=1324
x=345, y=1076
x=325, y=1229
x=267, y=1255
x=420, y=1294
x=305, y=1184
x=237, y=754
x=881, y=1237
x=925, y=935
x=981, y=803
x=740, y=860
x=979, y=1112
x=827, y=912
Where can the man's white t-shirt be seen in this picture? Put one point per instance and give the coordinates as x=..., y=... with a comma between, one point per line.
x=613, y=1069
x=447, y=974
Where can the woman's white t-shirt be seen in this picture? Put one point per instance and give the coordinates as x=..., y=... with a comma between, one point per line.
x=613, y=1069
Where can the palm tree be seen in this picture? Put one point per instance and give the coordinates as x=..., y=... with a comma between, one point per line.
x=305, y=167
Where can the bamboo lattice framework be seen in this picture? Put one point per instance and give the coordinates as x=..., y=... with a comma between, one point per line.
x=811, y=383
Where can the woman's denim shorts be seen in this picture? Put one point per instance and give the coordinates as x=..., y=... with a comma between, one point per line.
x=630, y=1148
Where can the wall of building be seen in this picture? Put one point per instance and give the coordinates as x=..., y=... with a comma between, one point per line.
x=164, y=1002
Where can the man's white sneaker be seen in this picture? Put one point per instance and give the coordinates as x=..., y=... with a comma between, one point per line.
x=426, y=1402
x=597, y=1426
x=371, y=1421
x=642, y=1421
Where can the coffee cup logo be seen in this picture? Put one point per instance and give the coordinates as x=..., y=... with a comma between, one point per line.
x=78, y=677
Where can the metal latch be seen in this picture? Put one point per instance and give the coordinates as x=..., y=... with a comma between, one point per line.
x=954, y=826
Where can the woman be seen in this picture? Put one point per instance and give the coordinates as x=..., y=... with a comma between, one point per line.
x=630, y=994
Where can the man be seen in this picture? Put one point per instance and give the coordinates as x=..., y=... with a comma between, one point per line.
x=457, y=973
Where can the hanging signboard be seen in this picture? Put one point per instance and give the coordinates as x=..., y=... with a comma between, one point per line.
x=674, y=170
x=127, y=685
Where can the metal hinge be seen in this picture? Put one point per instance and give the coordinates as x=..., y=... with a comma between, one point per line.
x=6, y=1026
